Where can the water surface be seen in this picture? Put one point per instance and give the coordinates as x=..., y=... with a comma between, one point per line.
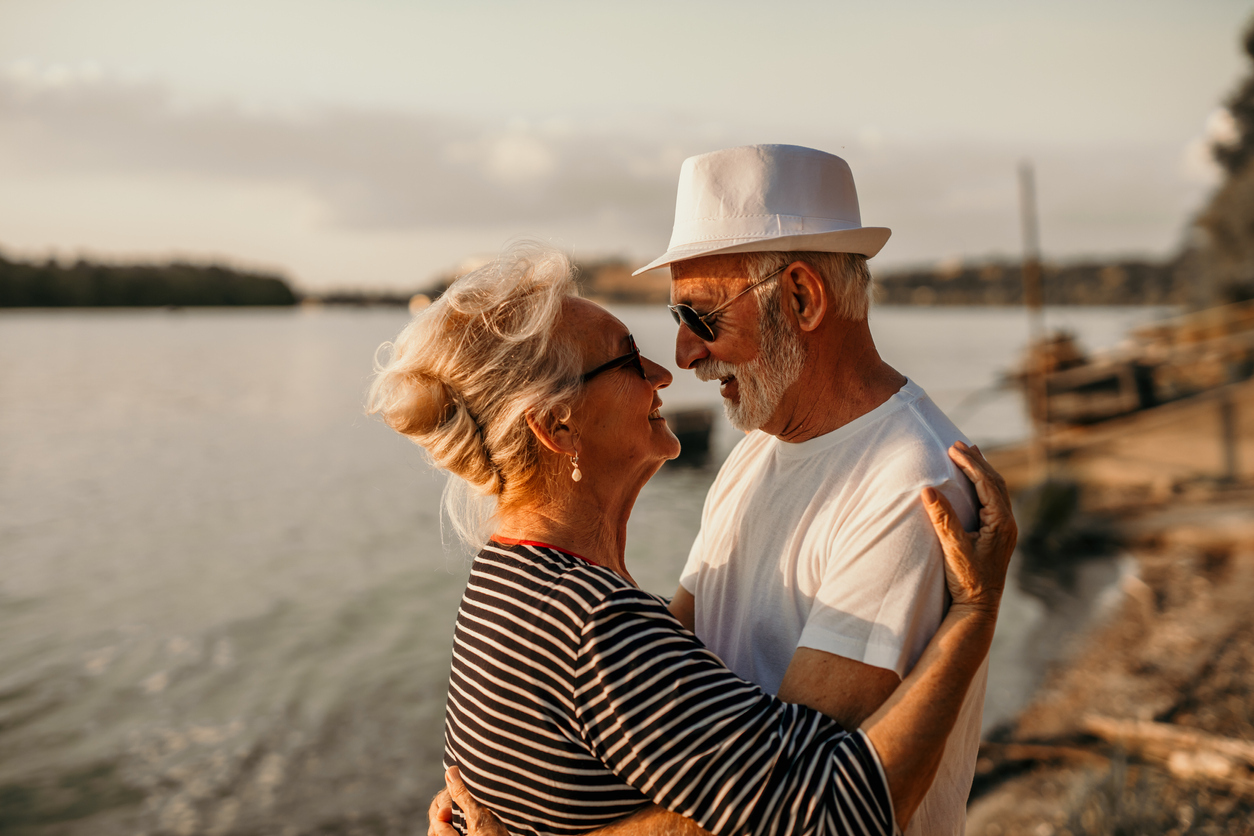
x=225, y=598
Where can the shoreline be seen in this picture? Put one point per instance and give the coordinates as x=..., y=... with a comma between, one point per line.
x=1147, y=726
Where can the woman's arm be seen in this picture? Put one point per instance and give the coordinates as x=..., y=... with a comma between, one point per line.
x=728, y=756
x=910, y=729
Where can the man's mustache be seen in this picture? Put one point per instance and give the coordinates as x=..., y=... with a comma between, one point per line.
x=714, y=369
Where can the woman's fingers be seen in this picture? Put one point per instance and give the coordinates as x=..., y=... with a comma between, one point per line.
x=989, y=485
x=440, y=815
x=998, y=530
x=480, y=821
x=948, y=527
x=995, y=541
x=975, y=565
x=962, y=576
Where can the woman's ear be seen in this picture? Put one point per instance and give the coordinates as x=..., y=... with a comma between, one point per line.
x=805, y=292
x=553, y=434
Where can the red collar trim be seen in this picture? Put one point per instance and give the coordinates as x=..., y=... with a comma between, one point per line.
x=510, y=542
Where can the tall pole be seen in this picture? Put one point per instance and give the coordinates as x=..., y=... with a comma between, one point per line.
x=1033, y=298
x=1228, y=432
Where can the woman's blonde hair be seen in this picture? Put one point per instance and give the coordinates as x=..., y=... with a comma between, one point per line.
x=462, y=376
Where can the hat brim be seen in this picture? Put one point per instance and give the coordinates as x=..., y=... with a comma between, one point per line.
x=866, y=240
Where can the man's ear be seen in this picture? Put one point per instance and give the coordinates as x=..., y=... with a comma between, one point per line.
x=805, y=293
x=556, y=435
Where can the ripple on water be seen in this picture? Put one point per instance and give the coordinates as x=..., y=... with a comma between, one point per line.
x=226, y=604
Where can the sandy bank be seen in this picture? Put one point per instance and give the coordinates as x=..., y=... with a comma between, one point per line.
x=1149, y=728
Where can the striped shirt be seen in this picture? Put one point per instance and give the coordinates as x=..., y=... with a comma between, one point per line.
x=575, y=699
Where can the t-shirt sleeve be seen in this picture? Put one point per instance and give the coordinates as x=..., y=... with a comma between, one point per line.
x=883, y=592
x=667, y=717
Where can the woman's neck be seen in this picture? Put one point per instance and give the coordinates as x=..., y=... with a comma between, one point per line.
x=598, y=537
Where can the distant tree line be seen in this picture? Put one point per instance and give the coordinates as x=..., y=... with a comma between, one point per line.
x=1001, y=283
x=1126, y=282
x=606, y=280
x=85, y=284
x=361, y=298
x=611, y=280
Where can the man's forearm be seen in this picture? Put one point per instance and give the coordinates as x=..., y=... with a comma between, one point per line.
x=845, y=690
x=652, y=821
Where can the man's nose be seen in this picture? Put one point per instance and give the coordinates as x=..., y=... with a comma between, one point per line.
x=688, y=349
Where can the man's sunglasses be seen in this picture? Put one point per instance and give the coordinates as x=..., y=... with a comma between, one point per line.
x=631, y=358
x=696, y=322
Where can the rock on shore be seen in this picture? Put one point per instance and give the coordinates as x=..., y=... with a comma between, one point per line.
x=1149, y=728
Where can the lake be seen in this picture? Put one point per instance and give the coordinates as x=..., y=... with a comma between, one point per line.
x=225, y=595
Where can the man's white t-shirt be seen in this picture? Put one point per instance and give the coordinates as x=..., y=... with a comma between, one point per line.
x=826, y=544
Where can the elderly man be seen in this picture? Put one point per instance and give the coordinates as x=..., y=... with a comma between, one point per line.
x=816, y=573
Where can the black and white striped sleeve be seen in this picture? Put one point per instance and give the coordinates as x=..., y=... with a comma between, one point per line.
x=666, y=716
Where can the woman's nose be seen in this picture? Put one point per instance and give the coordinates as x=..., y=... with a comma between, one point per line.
x=659, y=375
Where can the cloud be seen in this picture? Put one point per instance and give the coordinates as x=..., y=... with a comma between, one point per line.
x=519, y=158
x=369, y=169
x=1198, y=161
x=595, y=187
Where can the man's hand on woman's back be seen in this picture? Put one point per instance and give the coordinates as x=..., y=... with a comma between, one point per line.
x=648, y=821
x=479, y=820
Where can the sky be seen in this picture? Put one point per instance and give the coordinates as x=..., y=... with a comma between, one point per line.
x=379, y=143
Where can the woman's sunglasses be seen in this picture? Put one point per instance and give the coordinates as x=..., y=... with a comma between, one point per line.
x=631, y=358
x=696, y=322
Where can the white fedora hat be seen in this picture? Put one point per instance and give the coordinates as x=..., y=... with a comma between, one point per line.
x=767, y=198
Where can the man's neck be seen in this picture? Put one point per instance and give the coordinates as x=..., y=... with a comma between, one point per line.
x=844, y=378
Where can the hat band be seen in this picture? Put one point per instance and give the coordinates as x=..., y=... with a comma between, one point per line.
x=754, y=226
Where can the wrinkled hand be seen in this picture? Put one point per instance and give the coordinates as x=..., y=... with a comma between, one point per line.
x=975, y=563
x=480, y=821
x=440, y=815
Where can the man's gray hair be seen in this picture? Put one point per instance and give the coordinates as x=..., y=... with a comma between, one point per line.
x=846, y=276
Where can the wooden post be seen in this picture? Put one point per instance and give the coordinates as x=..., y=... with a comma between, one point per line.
x=1228, y=436
x=1034, y=300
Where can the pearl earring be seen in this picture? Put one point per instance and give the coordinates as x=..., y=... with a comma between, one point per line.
x=575, y=473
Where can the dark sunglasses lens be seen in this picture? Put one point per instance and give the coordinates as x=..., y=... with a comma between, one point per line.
x=694, y=323
x=635, y=357
x=684, y=315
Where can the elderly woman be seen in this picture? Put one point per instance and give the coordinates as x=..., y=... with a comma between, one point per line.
x=575, y=698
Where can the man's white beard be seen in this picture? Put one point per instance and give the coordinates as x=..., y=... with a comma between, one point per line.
x=761, y=382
